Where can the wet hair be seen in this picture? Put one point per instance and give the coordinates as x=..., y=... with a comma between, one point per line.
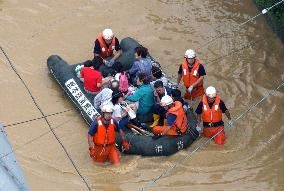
x=157, y=72
x=88, y=63
x=111, y=87
x=143, y=77
x=158, y=84
x=176, y=93
x=97, y=62
x=115, y=96
x=141, y=51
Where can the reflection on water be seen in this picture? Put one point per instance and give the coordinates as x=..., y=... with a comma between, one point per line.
x=243, y=66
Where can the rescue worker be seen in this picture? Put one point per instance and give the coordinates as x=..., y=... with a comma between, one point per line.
x=210, y=110
x=193, y=74
x=107, y=46
x=176, y=118
x=101, y=137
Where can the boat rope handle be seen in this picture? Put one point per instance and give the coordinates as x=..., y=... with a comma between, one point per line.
x=47, y=122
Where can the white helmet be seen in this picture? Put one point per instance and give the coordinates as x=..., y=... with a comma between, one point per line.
x=107, y=108
x=166, y=100
x=190, y=53
x=108, y=34
x=211, y=92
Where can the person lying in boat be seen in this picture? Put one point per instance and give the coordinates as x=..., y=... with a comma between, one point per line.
x=158, y=111
x=107, y=47
x=145, y=98
x=176, y=118
x=157, y=75
x=210, y=109
x=105, y=96
x=101, y=137
x=92, y=78
x=142, y=64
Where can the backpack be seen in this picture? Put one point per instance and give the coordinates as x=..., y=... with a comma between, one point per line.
x=123, y=82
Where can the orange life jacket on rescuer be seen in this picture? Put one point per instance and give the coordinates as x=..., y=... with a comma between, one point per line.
x=106, y=51
x=211, y=115
x=180, y=123
x=104, y=136
x=190, y=77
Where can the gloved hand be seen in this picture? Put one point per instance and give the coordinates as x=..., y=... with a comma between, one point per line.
x=189, y=89
x=230, y=122
x=199, y=127
x=92, y=152
x=125, y=145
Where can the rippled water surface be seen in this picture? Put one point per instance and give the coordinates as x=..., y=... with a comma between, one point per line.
x=243, y=65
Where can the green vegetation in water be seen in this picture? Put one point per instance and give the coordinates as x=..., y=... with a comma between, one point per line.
x=276, y=12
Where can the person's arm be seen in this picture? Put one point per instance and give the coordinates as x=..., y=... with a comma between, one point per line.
x=118, y=50
x=170, y=120
x=90, y=141
x=179, y=75
x=200, y=79
x=97, y=48
x=202, y=73
x=134, y=69
x=227, y=113
x=136, y=96
x=92, y=131
x=198, y=112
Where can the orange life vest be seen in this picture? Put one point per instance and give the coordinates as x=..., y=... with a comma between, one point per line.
x=106, y=51
x=191, y=77
x=214, y=114
x=104, y=136
x=180, y=123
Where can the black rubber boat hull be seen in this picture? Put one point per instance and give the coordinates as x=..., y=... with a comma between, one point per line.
x=65, y=76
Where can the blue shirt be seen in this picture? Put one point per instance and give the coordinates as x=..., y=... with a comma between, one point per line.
x=144, y=95
x=143, y=65
x=94, y=127
x=171, y=119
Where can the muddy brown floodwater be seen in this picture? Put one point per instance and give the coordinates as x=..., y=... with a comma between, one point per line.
x=252, y=158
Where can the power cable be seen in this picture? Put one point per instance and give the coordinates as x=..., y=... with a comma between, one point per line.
x=189, y=155
x=53, y=132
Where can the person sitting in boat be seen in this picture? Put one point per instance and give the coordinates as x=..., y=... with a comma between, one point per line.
x=176, y=95
x=92, y=78
x=176, y=118
x=105, y=96
x=122, y=77
x=210, y=110
x=142, y=64
x=120, y=112
x=101, y=137
x=158, y=111
x=193, y=74
x=157, y=75
x=145, y=98
x=107, y=47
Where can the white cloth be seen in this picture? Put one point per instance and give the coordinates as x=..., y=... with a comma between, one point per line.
x=103, y=98
x=117, y=76
x=117, y=111
x=163, y=79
